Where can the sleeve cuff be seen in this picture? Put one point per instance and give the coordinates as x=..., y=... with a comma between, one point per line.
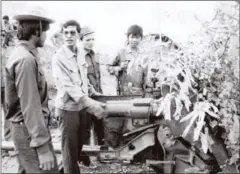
x=43, y=149
x=86, y=101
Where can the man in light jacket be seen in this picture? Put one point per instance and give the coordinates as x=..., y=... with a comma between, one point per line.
x=73, y=91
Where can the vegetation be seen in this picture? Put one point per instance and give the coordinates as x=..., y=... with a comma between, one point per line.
x=207, y=68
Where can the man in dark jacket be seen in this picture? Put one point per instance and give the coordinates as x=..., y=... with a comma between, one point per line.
x=27, y=97
x=94, y=76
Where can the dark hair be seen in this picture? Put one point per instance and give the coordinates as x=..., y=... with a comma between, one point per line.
x=14, y=27
x=6, y=17
x=71, y=23
x=27, y=28
x=135, y=30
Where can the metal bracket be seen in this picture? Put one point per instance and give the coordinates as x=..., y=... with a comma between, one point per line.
x=127, y=152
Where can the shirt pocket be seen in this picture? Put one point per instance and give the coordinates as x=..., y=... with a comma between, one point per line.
x=90, y=70
x=94, y=71
x=75, y=76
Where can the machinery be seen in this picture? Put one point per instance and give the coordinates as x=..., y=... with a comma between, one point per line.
x=144, y=137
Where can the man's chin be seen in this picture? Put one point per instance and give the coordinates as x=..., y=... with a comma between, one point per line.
x=88, y=48
x=40, y=45
x=70, y=44
x=134, y=45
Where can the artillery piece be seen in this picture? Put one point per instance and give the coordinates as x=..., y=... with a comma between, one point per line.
x=144, y=132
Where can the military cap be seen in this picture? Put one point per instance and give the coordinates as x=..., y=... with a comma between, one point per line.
x=86, y=30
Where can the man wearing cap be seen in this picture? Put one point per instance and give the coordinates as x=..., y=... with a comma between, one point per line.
x=27, y=97
x=73, y=90
x=128, y=67
x=127, y=64
x=94, y=76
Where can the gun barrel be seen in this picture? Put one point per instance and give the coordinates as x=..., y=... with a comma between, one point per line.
x=136, y=108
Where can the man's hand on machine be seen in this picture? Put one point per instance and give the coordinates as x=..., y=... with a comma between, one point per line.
x=98, y=109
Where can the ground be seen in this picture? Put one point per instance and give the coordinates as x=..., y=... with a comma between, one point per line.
x=10, y=165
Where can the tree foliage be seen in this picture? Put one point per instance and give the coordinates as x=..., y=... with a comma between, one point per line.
x=208, y=68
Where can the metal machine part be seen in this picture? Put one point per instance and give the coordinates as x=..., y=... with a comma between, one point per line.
x=127, y=152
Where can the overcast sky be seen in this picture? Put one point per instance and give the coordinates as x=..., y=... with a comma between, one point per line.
x=110, y=19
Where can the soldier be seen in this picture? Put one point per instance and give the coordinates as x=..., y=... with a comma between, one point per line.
x=130, y=72
x=94, y=76
x=93, y=72
x=27, y=97
x=72, y=101
x=127, y=65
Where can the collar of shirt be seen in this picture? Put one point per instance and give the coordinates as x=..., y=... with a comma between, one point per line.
x=91, y=52
x=30, y=47
x=129, y=50
x=79, y=55
x=69, y=53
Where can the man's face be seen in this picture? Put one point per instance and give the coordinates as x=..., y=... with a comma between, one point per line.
x=70, y=35
x=5, y=21
x=42, y=39
x=134, y=40
x=59, y=40
x=88, y=41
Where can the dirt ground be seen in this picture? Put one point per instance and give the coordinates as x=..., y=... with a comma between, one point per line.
x=10, y=165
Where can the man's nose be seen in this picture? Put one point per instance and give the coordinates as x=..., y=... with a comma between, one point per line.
x=69, y=34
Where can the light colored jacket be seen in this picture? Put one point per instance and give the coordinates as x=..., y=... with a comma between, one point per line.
x=70, y=76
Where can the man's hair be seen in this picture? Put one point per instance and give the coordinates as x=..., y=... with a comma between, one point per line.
x=27, y=28
x=6, y=17
x=135, y=30
x=71, y=23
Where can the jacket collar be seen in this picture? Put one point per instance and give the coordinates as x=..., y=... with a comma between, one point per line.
x=29, y=46
x=129, y=50
x=68, y=52
x=91, y=52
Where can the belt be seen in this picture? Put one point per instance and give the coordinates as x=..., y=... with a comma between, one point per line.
x=18, y=123
x=22, y=122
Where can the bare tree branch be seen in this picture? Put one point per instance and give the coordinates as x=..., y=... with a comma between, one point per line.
x=225, y=48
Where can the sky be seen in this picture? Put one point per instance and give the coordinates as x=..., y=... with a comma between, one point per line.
x=110, y=19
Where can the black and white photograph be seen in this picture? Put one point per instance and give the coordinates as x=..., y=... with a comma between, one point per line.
x=120, y=87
